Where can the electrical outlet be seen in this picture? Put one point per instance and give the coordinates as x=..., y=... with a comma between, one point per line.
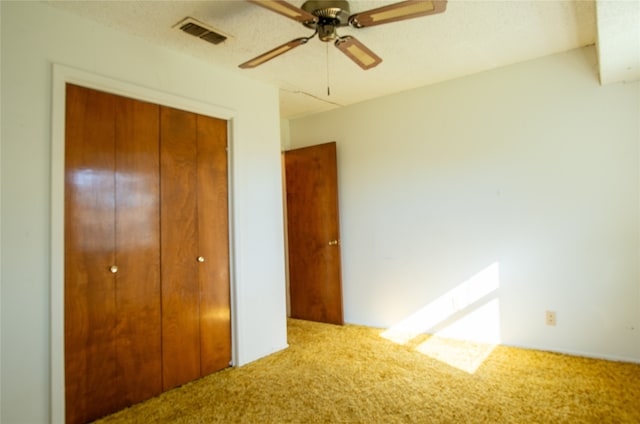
x=550, y=318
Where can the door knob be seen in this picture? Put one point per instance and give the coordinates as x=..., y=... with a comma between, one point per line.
x=333, y=242
x=113, y=269
x=200, y=259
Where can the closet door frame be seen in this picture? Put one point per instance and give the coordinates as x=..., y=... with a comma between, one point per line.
x=61, y=76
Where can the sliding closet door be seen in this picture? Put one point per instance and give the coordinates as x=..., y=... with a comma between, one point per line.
x=137, y=256
x=213, y=240
x=195, y=263
x=112, y=307
x=180, y=290
x=147, y=303
x=90, y=301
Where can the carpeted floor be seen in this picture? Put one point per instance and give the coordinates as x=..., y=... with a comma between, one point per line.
x=350, y=374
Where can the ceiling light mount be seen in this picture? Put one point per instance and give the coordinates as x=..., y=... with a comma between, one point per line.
x=336, y=12
x=330, y=15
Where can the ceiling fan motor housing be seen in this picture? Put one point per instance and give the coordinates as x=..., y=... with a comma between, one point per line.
x=330, y=14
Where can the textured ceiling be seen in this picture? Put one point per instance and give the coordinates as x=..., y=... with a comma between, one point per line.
x=471, y=36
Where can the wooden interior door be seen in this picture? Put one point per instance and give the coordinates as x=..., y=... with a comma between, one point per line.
x=315, y=274
x=112, y=315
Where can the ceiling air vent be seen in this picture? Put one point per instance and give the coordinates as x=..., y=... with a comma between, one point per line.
x=200, y=30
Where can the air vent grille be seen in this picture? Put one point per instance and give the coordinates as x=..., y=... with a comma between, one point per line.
x=200, y=30
x=213, y=37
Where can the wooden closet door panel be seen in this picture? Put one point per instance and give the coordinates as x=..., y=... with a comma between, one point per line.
x=213, y=234
x=137, y=182
x=90, y=307
x=179, y=252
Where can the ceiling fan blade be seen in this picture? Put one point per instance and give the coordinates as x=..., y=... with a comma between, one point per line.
x=358, y=52
x=286, y=9
x=264, y=57
x=397, y=12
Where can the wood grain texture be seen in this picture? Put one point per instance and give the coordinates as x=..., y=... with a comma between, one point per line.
x=137, y=182
x=213, y=238
x=90, y=298
x=315, y=271
x=179, y=248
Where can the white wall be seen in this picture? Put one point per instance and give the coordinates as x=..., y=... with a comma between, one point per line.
x=34, y=37
x=527, y=176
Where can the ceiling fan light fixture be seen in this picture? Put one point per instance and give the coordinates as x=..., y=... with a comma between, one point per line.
x=327, y=32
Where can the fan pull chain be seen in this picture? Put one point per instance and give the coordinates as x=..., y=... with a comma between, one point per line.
x=328, y=81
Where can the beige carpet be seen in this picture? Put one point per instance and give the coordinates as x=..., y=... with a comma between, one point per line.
x=350, y=374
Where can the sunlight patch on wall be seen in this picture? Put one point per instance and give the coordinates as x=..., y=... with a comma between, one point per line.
x=480, y=325
x=454, y=302
x=465, y=322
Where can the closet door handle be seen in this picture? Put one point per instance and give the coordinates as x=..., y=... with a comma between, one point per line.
x=113, y=269
x=200, y=259
x=333, y=243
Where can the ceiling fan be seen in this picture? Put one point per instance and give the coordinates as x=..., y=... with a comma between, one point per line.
x=326, y=16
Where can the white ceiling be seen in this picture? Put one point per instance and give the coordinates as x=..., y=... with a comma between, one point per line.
x=471, y=36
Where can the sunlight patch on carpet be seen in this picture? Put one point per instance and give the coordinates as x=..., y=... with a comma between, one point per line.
x=466, y=356
x=469, y=341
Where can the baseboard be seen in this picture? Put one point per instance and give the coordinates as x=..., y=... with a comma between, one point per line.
x=614, y=358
